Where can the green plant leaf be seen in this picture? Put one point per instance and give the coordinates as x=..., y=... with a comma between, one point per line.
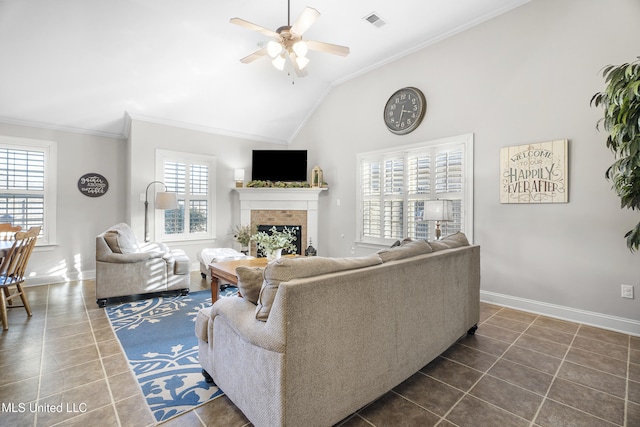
x=633, y=238
x=620, y=101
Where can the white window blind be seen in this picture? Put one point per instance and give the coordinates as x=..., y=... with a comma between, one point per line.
x=192, y=178
x=27, y=185
x=395, y=185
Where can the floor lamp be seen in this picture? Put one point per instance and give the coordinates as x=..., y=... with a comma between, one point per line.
x=438, y=211
x=164, y=200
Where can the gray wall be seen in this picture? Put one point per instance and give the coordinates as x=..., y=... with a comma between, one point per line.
x=79, y=218
x=231, y=153
x=526, y=76
x=523, y=77
x=129, y=166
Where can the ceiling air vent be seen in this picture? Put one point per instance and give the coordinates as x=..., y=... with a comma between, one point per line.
x=374, y=19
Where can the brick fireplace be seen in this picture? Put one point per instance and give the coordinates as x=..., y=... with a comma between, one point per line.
x=289, y=218
x=282, y=206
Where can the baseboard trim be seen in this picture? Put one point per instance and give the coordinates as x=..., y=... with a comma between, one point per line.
x=600, y=320
x=67, y=277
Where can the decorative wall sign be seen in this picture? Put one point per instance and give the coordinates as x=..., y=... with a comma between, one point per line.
x=534, y=173
x=93, y=185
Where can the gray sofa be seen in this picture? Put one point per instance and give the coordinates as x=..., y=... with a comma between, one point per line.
x=321, y=337
x=125, y=267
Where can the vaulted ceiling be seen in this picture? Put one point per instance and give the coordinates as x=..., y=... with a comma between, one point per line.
x=83, y=65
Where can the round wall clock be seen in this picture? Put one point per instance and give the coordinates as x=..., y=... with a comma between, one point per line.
x=405, y=110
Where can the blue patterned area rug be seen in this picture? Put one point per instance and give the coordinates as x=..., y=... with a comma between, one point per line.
x=158, y=338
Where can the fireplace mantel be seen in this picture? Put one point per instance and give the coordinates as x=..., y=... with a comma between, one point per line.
x=282, y=199
x=270, y=193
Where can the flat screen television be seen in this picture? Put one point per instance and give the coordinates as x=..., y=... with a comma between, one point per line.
x=279, y=165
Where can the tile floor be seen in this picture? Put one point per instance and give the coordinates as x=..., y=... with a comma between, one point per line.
x=519, y=369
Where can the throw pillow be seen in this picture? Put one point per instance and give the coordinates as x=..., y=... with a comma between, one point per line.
x=250, y=282
x=119, y=243
x=449, y=242
x=407, y=249
x=265, y=301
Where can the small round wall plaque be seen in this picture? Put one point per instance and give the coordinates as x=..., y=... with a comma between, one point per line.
x=93, y=185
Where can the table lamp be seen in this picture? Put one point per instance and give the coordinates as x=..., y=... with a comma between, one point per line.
x=438, y=211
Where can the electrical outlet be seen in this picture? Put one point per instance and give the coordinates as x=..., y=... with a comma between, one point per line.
x=627, y=291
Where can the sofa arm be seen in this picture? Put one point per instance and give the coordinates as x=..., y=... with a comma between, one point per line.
x=129, y=258
x=240, y=315
x=177, y=262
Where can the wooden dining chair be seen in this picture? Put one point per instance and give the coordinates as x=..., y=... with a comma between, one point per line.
x=12, y=270
x=8, y=231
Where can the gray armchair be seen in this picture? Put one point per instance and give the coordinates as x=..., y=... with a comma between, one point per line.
x=124, y=267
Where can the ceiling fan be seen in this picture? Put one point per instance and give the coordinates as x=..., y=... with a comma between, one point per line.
x=288, y=41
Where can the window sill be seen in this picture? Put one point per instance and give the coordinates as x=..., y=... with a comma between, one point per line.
x=371, y=245
x=45, y=247
x=189, y=241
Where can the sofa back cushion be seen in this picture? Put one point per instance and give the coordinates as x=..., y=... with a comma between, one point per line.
x=286, y=269
x=121, y=239
x=405, y=249
x=449, y=242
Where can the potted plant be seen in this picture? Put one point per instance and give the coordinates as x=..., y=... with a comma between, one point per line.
x=242, y=235
x=621, y=103
x=272, y=243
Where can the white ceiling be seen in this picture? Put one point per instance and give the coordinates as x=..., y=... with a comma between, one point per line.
x=82, y=65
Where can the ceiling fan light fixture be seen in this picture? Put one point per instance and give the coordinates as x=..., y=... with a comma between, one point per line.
x=300, y=48
x=278, y=62
x=302, y=62
x=287, y=41
x=274, y=48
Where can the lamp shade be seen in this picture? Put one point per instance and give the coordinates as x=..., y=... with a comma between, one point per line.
x=238, y=175
x=165, y=200
x=274, y=48
x=302, y=62
x=278, y=62
x=300, y=48
x=438, y=210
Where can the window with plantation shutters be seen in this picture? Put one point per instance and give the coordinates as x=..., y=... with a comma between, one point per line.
x=192, y=178
x=394, y=187
x=382, y=196
x=27, y=185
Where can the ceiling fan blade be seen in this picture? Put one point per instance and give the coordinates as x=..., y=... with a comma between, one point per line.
x=299, y=72
x=305, y=20
x=255, y=55
x=327, y=48
x=253, y=27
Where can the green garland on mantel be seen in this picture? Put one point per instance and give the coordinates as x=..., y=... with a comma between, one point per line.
x=281, y=184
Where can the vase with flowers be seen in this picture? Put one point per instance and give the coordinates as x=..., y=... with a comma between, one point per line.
x=242, y=235
x=273, y=242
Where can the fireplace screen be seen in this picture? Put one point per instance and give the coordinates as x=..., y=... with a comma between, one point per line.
x=297, y=231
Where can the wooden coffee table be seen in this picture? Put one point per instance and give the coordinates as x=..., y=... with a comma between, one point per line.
x=226, y=270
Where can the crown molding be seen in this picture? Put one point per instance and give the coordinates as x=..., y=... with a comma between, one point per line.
x=59, y=128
